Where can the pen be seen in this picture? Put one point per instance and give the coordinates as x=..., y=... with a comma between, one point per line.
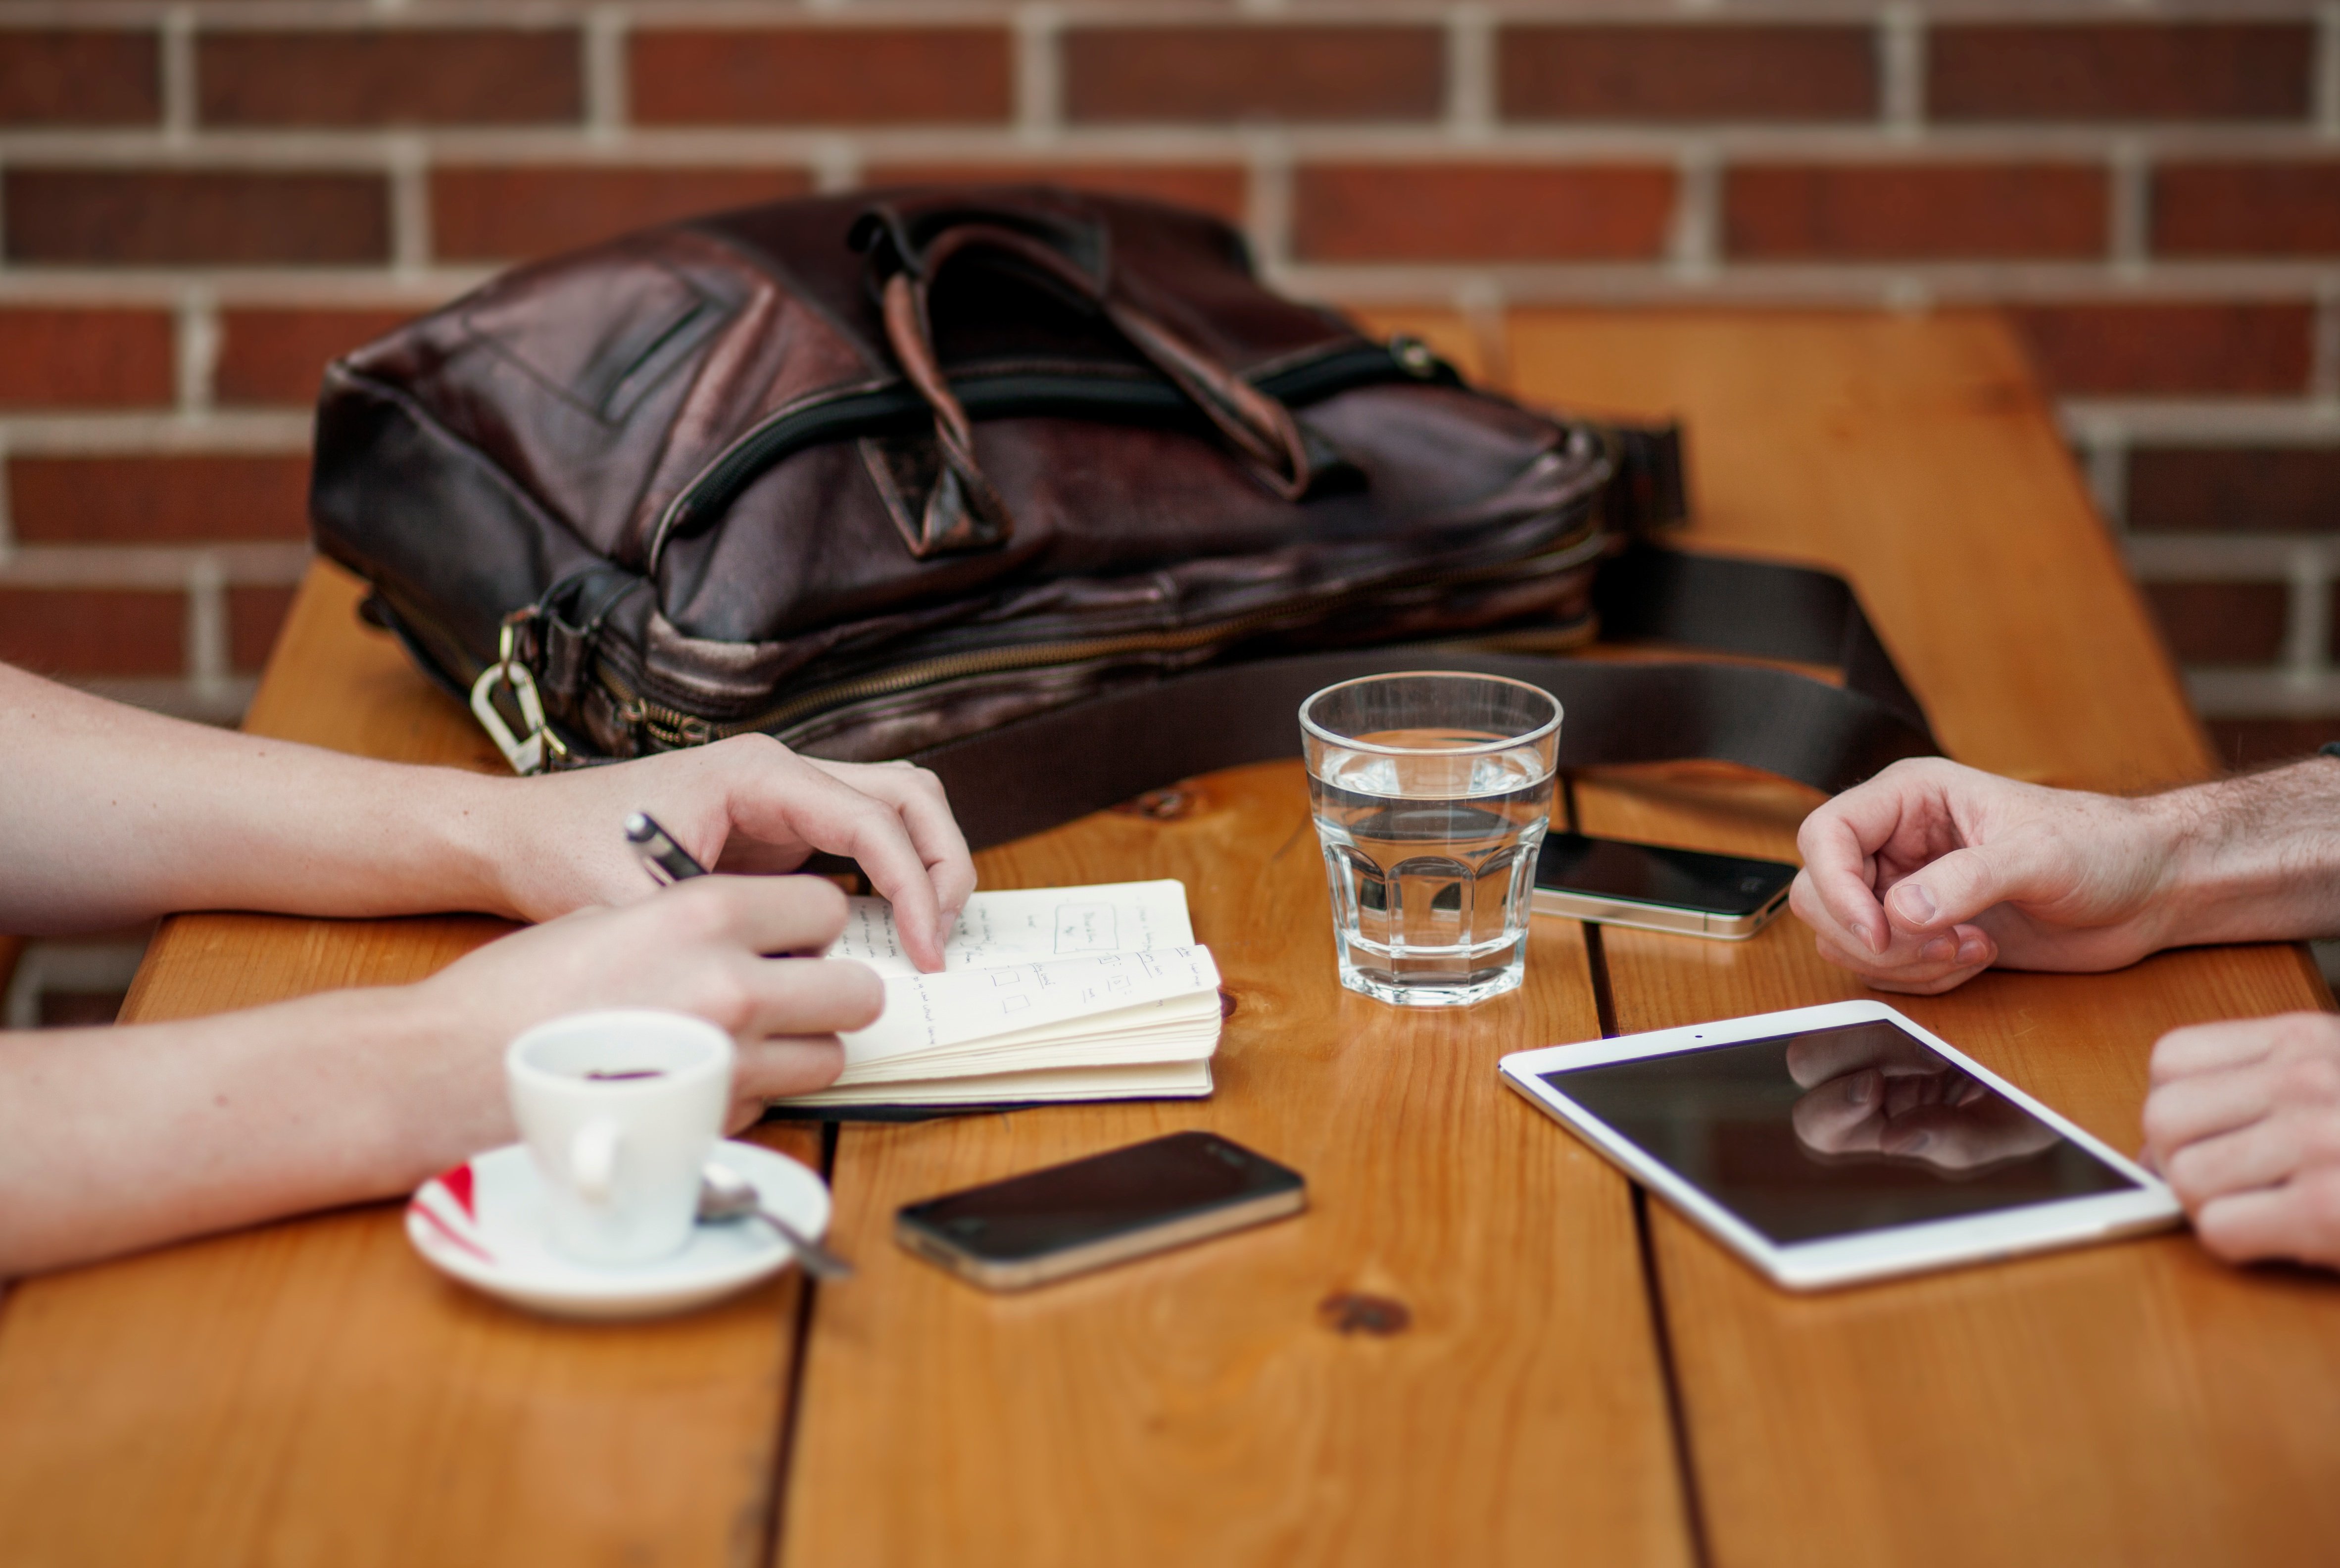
x=667, y=861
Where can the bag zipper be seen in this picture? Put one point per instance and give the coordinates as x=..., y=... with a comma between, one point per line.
x=674, y=728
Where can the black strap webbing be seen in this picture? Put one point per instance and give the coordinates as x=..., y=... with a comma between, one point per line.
x=1053, y=767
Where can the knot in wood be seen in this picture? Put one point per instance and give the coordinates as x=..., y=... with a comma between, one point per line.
x=1164, y=805
x=1351, y=1312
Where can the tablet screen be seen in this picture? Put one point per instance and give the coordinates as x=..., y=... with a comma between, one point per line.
x=1831, y=1132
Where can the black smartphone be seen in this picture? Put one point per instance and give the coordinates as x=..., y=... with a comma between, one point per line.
x=1070, y=1218
x=1659, y=888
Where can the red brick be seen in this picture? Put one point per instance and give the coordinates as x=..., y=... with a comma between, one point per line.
x=1893, y=212
x=2246, y=209
x=75, y=358
x=2235, y=490
x=1480, y=212
x=176, y=500
x=2254, y=742
x=151, y=216
x=506, y=213
x=2169, y=349
x=1305, y=74
x=822, y=76
x=389, y=76
x=94, y=630
x=1214, y=188
x=2120, y=71
x=72, y=78
x=1686, y=72
x=2220, y=622
x=272, y=356
x=254, y=616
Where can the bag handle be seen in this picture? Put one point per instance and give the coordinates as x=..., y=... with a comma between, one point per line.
x=967, y=512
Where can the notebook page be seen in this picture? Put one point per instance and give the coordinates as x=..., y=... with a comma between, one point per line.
x=1029, y=925
x=925, y=1013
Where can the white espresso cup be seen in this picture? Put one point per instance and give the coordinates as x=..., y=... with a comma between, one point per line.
x=620, y=1110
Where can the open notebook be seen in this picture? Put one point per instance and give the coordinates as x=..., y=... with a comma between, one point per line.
x=1046, y=994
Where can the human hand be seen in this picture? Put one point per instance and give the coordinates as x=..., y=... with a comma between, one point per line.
x=748, y=804
x=702, y=947
x=1876, y=1091
x=1930, y=872
x=2244, y=1123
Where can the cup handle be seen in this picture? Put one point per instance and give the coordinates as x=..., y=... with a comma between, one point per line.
x=593, y=1159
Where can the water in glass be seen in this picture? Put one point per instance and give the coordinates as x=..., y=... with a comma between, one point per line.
x=1429, y=837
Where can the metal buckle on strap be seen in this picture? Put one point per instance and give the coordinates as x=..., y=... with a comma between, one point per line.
x=528, y=753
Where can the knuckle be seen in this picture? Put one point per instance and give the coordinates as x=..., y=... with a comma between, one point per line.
x=727, y=1001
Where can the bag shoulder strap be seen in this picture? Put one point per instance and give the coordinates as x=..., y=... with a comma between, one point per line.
x=1053, y=767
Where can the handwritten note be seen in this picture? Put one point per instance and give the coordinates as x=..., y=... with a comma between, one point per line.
x=1029, y=925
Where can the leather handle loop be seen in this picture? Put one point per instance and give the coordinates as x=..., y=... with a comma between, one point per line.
x=1261, y=430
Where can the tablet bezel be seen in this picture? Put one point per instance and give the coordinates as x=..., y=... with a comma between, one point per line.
x=1868, y=1255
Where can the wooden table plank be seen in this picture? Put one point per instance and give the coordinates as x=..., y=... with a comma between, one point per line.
x=1199, y=1407
x=310, y=1391
x=2136, y=1402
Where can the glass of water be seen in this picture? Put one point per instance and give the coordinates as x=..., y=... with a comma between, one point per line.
x=1431, y=793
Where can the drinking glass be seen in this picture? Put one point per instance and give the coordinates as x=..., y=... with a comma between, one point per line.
x=1431, y=793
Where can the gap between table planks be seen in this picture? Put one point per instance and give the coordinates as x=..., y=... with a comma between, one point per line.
x=309, y=1392
x=2135, y=1403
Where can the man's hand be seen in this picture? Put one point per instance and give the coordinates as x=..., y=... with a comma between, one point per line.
x=557, y=843
x=1930, y=873
x=2244, y=1122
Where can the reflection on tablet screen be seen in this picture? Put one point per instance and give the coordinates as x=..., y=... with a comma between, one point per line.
x=1835, y=1131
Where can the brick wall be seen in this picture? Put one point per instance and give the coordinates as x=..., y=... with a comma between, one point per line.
x=200, y=203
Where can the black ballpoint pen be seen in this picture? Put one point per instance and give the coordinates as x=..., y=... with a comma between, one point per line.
x=667, y=861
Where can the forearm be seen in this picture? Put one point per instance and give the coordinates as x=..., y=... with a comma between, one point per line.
x=2256, y=859
x=110, y=816
x=111, y=1140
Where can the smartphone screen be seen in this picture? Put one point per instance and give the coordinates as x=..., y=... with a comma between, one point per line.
x=1654, y=874
x=1178, y=1184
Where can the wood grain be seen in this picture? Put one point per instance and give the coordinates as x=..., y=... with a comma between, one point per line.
x=309, y=1392
x=1198, y=1408
x=2133, y=1404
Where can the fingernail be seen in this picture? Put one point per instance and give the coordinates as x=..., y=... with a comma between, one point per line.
x=1971, y=950
x=1918, y=1145
x=1917, y=904
x=1940, y=950
x=1856, y=1089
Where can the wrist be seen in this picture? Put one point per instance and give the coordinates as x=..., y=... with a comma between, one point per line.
x=478, y=835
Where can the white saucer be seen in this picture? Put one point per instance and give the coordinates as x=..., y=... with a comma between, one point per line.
x=483, y=1223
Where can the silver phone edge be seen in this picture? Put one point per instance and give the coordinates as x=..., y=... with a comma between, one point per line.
x=1677, y=919
x=1102, y=1254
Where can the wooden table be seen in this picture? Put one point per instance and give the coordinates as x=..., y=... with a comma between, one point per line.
x=1480, y=1345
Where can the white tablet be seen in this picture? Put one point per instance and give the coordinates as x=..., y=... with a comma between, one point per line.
x=1840, y=1143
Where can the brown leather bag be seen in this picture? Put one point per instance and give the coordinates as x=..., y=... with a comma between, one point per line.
x=906, y=474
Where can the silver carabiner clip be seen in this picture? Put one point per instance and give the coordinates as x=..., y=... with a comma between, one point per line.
x=525, y=753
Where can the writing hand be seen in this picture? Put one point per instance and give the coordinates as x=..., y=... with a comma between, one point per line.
x=744, y=805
